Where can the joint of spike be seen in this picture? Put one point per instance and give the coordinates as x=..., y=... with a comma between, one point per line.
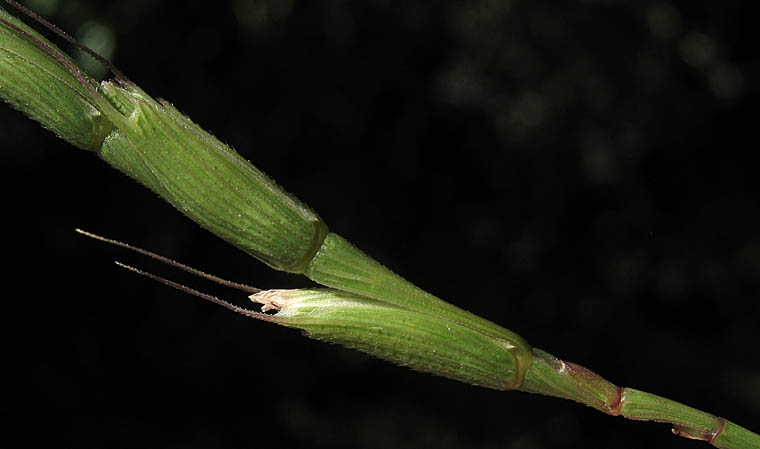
x=687, y=422
x=548, y=375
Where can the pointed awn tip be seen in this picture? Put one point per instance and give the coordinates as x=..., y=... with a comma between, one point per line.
x=192, y=291
x=170, y=262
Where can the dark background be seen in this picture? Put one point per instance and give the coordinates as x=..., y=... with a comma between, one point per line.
x=582, y=172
